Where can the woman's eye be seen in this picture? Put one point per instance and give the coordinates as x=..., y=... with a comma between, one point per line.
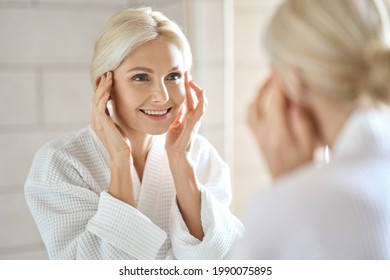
x=174, y=76
x=140, y=78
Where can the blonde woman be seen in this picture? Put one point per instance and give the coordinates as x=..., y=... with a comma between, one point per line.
x=138, y=183
x=329, y=85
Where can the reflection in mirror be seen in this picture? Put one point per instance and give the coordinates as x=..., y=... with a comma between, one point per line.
x=138, y=181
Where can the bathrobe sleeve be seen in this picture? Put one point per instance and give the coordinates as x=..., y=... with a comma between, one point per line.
x=221, y=228
x=77, y=223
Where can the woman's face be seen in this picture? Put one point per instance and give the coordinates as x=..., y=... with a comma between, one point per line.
x=148, y=88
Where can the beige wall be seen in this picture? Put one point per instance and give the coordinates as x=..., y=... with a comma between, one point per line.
x=251, y=68
x=45, y=50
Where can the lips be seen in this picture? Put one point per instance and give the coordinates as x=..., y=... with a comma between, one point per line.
x=155, y=112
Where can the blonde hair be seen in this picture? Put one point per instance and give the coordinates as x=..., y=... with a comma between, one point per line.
x=339, y=46
x=128, y=30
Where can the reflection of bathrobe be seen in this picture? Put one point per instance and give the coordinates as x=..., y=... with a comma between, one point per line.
x=66, y=191
x=335, y=211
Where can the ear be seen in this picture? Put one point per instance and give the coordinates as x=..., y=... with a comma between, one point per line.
x=99, y=79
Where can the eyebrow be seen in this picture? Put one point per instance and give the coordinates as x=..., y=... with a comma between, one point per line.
x=145, y=69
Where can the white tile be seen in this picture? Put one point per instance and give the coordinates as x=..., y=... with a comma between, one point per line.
x=50, y=36
x=247, y=154
x=213, y=30
x=249, y=27
x=191, y=27
x=245, y=185
x=256, y=4
x=213, y=84
x=247, y=82
x=18, y=98
x=16, y=221
x=211, y=78
x=17, y=151
x=205, y=29
x=215, y=136
x=67, y=97
x=250, y=170
x=196, y=73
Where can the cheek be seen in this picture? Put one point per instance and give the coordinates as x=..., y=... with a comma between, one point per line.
x=126, y=101
x=178, y=93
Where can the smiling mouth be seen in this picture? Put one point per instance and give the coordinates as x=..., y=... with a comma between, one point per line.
x=156, y=113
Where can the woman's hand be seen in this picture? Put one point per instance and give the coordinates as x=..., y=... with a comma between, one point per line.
x=115, y=142
x=186, y=125
x=109, y=133
x=283, y=130
x=179, y=138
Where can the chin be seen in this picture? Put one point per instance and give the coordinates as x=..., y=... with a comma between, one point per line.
x=157, y=131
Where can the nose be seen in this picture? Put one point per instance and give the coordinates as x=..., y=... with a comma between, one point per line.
x=160, y=93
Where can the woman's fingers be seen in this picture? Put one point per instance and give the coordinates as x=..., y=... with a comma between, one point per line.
x=184, y=128
x=100, y=99
x=189, y=97
x=263, y=98
x=102, y=104
x=261, y=109
x=192, y=116
x=178, y=118
x=104, y=85
x=102, y=94
x=278, y=107
x=202, y=100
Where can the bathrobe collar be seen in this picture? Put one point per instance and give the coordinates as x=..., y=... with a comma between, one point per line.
x=366, y=131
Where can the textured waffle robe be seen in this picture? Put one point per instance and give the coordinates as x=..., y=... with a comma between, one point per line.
x=339, y=210
x=67, y=193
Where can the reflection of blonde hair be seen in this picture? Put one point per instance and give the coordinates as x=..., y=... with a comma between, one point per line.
x=338, y=45
x=129, y=29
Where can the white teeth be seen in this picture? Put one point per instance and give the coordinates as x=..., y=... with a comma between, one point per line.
x=155, y=113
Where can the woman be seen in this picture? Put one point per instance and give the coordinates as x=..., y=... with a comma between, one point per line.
x=122, y=188
x=329, y=83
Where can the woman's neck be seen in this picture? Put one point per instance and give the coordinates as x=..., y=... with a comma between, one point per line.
x=330, y=118
x=141, y=144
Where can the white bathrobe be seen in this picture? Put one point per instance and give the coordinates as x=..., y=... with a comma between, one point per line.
x=66, y=191
x=335, y=211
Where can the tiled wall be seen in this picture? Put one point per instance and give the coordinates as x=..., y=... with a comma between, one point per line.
x=45, y=51
x=251, y=68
